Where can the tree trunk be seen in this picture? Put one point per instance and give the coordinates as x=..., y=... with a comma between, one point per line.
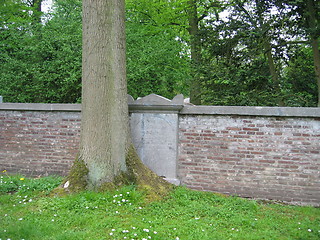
x=195, y=86
x=107, y=156
x=36, y=4
x=273, y=70
x=104, y=132
x=266, y=43
x=313, y=24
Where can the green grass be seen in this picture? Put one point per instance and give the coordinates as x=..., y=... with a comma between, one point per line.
x=27, y=212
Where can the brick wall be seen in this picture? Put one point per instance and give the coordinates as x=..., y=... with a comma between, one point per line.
x=38, y=142
x=268, y=153
x=262, y=157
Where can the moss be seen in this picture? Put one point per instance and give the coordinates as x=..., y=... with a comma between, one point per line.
x=77, y=178
x=137, y=174
x=146, y=180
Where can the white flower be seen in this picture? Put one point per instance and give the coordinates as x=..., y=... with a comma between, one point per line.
x=52, y=220
x=66, y=185
x=155, y=232
x=112, y=230
x=146, y=230
x=20, y=219
x=309, y=230
x=111, y=234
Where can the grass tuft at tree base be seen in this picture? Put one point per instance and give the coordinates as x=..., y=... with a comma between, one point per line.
x=31, y=213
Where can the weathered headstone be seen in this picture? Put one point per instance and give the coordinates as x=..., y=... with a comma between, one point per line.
x=155, y=133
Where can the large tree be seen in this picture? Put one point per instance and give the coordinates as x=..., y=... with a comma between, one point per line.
x=107, y=156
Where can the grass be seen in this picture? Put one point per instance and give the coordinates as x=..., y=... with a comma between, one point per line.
x=28, y=212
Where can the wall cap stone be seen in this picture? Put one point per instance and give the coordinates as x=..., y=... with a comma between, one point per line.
x=251, y=111
x=48, y=107
x=154, y=103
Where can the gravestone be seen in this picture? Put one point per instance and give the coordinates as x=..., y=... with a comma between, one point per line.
x=154, y=129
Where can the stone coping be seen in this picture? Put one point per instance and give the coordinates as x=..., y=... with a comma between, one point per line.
x=156, y=104
x=48, y=107
x=251, y=111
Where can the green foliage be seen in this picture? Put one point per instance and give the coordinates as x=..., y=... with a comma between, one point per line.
x=41, y=62
x=154, y=62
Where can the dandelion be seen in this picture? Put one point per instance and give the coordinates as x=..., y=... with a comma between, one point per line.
x=4, y=171
x=21, y=179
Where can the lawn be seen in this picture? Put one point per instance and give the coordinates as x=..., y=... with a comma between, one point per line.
x=29, y=212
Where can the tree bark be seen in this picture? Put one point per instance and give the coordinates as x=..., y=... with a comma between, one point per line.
x=195, y=86
x=105, y=128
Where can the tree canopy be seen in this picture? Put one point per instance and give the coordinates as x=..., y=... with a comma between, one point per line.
x=219, y=52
